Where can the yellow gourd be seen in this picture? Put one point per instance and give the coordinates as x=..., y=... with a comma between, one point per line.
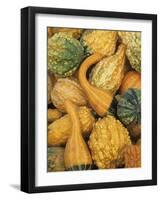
x=53, y=114
x=77, y=155
x=99, y=99
x=60, y=130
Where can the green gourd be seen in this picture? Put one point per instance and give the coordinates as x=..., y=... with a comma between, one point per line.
x=56, y=159
x=129, y=107
x=65, y=54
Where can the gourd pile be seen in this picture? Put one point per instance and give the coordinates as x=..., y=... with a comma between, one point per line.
x=94, y=99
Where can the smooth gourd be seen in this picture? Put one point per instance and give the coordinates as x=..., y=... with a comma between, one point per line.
x=77, y=155
x=99, y=99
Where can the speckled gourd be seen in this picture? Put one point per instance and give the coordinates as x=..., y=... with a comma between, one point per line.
x=99, y=41
x=65, y=54
x=109, y=72
x=133, y=42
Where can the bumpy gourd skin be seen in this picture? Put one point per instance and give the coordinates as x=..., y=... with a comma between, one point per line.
x=109, y=72
x=67, y=89
x=65, y=54
x=107, y=140
x=129, y=107
x=132, y=156
x=99, y=41
x=74, y=32
x=133, y=52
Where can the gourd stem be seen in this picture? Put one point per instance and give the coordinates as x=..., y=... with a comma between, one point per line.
x=72, y=111
x=85, y=66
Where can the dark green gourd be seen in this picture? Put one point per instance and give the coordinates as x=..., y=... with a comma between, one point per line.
x=65, y=54
x=129, y=107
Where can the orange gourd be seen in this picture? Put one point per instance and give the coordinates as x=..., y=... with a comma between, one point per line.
x=77, y=155
x=132, y=79
x=99, y=99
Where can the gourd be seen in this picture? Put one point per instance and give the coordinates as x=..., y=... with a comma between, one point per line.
x=99, y=41
x=107, y=140
x=132, y=156
x=98, y=98
x=49, y=88
x=109, y=72
x=64, y=89
x=77, y=155
x=53, y=114
x=74, y=32
x=132, y=79
x=129, y=107
x=60, y=130
x=65, y=54
x=133, y=42
x=56, y=159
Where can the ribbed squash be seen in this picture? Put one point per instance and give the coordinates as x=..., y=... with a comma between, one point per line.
x=129, y=107
x=67, y=89
x=53, y=114
x=107, y=140
x=56, y=159
x=133, y=42
x=65, y=54
x=99, y=41
x=98, y=98
x=74, y=32
x=132, y=156
x=60, y=130
x=77, y=155
x=132, y=79
x=109, y=72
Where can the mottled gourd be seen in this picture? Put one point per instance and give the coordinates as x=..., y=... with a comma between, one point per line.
x=65, y=54
x=109, y=72
x=56, y=159
x=133, y=42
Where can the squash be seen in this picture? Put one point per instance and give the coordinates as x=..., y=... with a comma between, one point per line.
x=60, y=130
x=107, y=140
x=65, y=89
x=77, y=155
x=133, y=42
x=132, y=79
x=132, y=156
x=109, y=72
x=53, y=114
x=98, y=99
x=74, y=32
x=65, y=54
x=129, y=107
x=99, y=41
x=56, y=159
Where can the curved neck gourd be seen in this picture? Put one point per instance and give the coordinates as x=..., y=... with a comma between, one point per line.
x=99, y=99
x=77, y=155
